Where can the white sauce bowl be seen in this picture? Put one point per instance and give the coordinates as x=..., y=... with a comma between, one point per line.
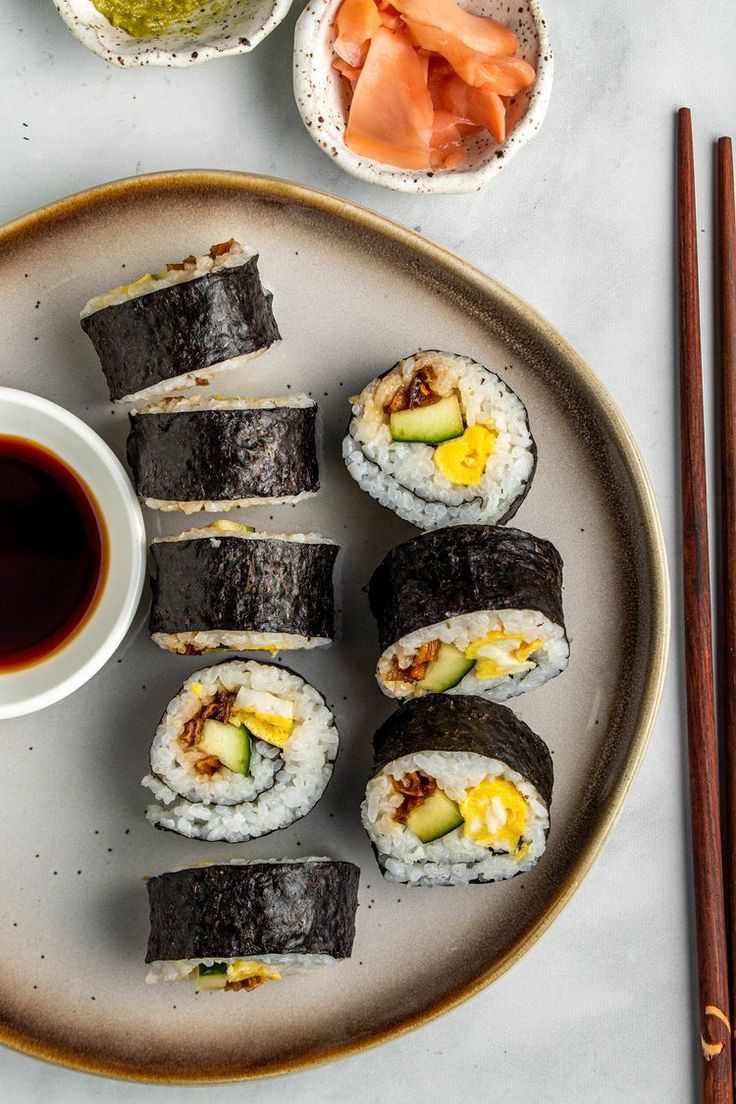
x=74, y=662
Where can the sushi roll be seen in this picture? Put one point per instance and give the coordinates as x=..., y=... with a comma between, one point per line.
x=472, y=609
x=182, y=326
x=226, y=586
x=460, y=793
x=243, y=749
x=441, y=440
x=236, y=926
x=214, y=454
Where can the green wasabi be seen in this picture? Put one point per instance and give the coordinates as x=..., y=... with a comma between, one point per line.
x=143, y=18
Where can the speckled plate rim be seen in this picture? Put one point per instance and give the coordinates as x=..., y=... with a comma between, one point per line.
x=593, y=394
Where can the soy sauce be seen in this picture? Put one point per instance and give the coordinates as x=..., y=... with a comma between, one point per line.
x=53, y=553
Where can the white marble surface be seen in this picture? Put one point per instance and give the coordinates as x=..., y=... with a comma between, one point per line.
x=580, y=225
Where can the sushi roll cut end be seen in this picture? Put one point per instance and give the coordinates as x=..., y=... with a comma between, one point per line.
x=460, y=793
x=441, y=440
x=240, y=925
x=218, y=454
x=469, y=609
x=243, y=749
x=225, y=586
x=183, y=325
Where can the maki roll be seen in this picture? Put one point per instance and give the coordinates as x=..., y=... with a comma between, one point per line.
x=236, y=926
x=194, y=454
x=226, y=586
x=243, y=749
x=441, y=440
x=472, y=609
x=182, y=326
x=460, y=793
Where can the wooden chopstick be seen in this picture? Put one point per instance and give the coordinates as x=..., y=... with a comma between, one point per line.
x=727, y=380
x=715, y=1032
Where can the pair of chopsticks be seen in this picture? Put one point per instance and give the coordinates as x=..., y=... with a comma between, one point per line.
x=712, y=923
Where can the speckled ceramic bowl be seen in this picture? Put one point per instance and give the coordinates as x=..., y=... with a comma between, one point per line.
x=321, y=97
x=240, y=26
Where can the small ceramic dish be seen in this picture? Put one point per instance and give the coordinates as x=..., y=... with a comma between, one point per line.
x=232, y=28
x=322, y=98
x=79, y=657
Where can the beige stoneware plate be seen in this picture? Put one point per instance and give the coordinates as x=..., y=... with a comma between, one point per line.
x=352, y=293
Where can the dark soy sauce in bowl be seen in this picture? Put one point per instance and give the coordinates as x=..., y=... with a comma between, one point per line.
x=53, y=553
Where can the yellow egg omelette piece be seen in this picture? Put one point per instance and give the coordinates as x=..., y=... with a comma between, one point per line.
x=274, y=730
x=495, y=814
x=488, y=667
x=264, y=716
x=225, y=526
x=240, y=970
x=125, y=288
x=463, y=460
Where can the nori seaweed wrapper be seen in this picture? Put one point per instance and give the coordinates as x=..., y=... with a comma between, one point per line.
x=449, y=722
x=232, y=583
x=260, y=908
x=219, y=455
x=183, y=328
x=461, y=569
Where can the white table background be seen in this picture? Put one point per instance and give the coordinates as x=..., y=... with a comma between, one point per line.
x=581, y=225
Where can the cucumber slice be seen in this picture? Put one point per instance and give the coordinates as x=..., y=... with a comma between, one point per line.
x=438, y=422
x=228, y=743
x=211, y=977
x=215, y=968
x=435, y=817
x=447, y=670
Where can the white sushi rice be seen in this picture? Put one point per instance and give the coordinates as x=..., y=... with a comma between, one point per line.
x=201, y=377
x=237, y=640
x=204, y=265
x=288, y=965
x=403, y=475
x=180, y=404
x=544, y=663
x=198, y=643
x=237, y=255
x=213, y=533
x=453, y=859
x=283, y=787
x=222, y=505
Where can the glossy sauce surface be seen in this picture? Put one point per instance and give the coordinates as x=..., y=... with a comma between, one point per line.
x=53, y=553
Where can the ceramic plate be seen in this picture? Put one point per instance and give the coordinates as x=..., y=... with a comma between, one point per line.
x=352, y=293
